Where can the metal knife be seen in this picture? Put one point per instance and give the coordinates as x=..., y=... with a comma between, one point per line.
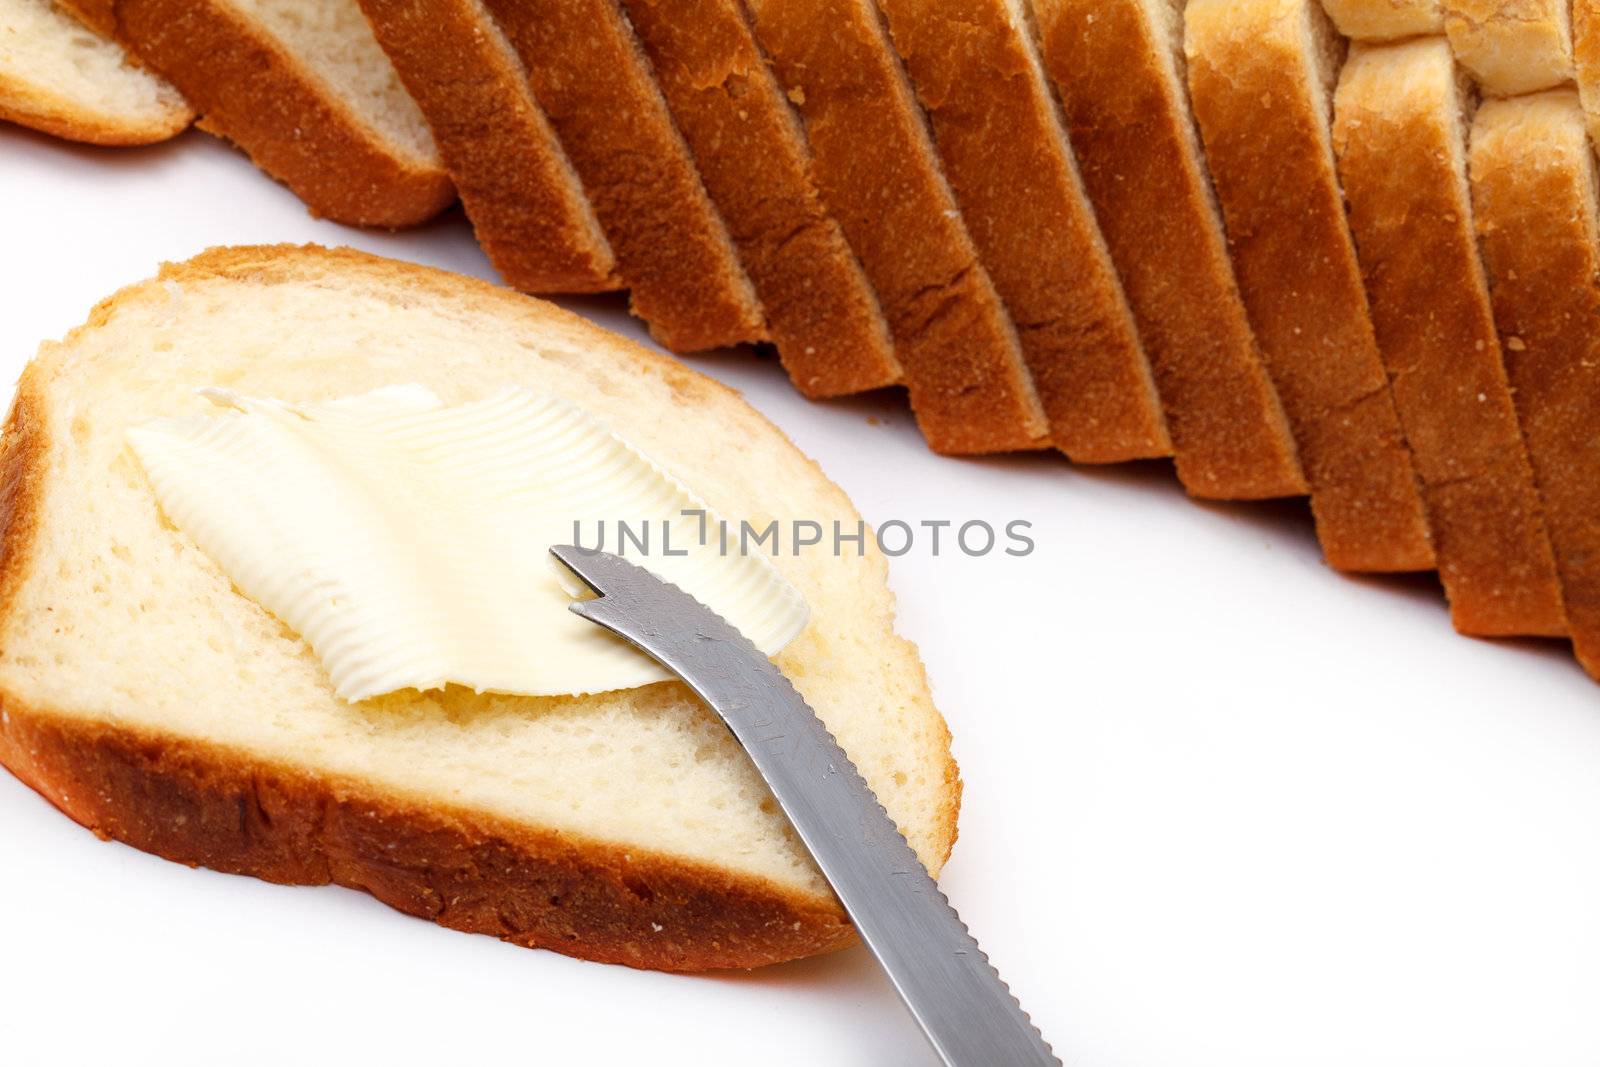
x=967, y=1012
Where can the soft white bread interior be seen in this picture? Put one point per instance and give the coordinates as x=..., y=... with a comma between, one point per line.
x=61, y=78
x=335, y=42
x=152, y=702
x=1512, y=46
x=1385, y=20
x=304, y=88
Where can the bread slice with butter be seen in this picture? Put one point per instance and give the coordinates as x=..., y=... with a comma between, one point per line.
x=61, y=78
x=152, y=702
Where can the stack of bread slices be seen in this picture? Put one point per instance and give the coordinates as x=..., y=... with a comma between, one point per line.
x=1347, y=249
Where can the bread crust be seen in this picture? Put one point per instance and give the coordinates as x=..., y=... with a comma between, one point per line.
x=1586, y=60
x=206, y=804
x=1385, y=20
x=1005, y=152
x=822, y=313
x=879, y=175
x=1127, y=115
x=1263, y=115
x=41, y=107
x=526, y=203
x=1400, y=140
x=590, y=75
x=250, y=90
x=38, y=108
x=1512, y=46
x=1534, y=194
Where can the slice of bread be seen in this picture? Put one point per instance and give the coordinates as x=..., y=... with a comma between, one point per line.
x=525, y=201
x=1385, y=20
x=1534, y=187
x=1512, y=46
x=61, y=78
x=1261, y=75
x=591, y=76
x=1117, y=65
x=303, y=88
x=146, y=698
x=880, y=176
x=1401, y=132
x=822, y=313
x=1000, y=136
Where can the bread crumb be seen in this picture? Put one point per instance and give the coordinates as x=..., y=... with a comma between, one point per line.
x=797, y=95
x=1516, y=344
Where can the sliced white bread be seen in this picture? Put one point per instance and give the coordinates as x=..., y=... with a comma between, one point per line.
x=303, y=88
x=527, y=206
x=1534, y=186
x=1512, y=46
x=977, y=73
x=1401, y=131
x=592, y=78
x=1385, y=20
x=62, y=78
x=1261, y=76
x=822, y=313
x=1118, y=67
x=880, y=177
x=150, y=701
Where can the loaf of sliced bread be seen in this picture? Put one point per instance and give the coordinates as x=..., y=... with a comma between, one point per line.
x=303, y=88
x=880, y=177
x=1401, y=132
x=1261, y=75
x=152, y=702
x=1385, y=20
x=1118, y=66
x=977, y=73
x=527, y=206
x=62, y=78
x=591, y=76
x=1534, y=187
x=822, y=313
x=1512, y=46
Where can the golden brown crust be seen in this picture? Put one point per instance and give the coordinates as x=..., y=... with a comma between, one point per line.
x=821, y=311
x=879, y=176
x=205, y=804
x=1533, y=183
x=524, y=199
x=590, y=75
x=1127, y=116
x=1512, y=46
x=1264, y=122
x=1385, y=20
x=248, y=89
x=1400, y=146
x=1006, y=155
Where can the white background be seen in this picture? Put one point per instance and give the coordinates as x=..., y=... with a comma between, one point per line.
x=1223, y=806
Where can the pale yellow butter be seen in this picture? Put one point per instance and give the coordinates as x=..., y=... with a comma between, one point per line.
x=407, y=541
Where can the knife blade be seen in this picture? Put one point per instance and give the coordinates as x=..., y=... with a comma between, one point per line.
x=968, y=1014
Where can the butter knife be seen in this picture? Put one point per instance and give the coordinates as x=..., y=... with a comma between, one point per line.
x=967, y=1012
